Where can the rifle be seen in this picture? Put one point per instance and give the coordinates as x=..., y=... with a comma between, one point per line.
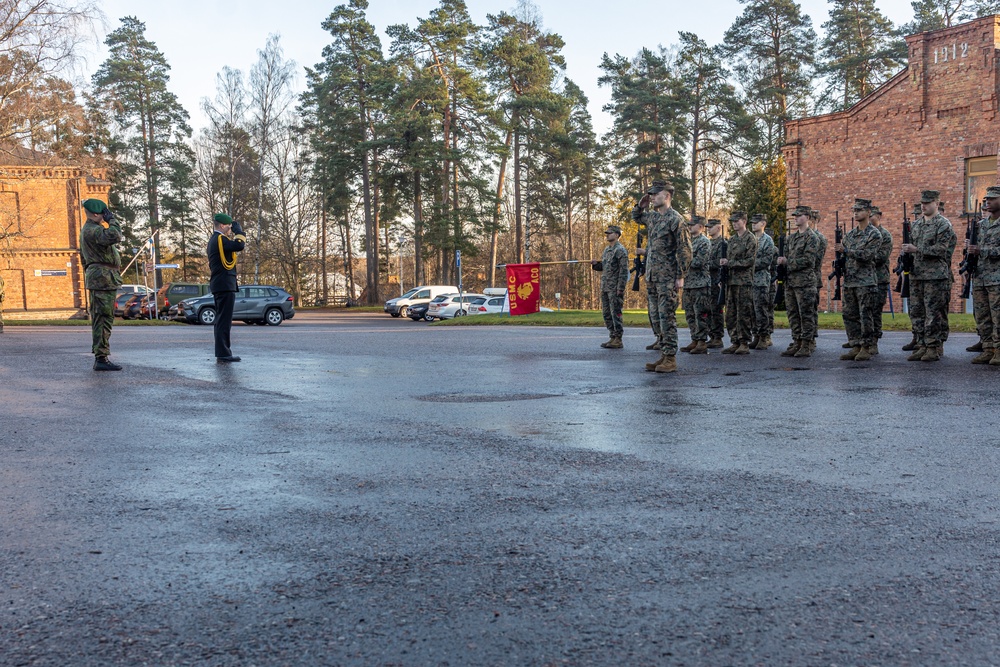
x=904, y=265
x=969, y=262
x=838, y=260
x=638, y=264
x=781, y=272
x=723, y=277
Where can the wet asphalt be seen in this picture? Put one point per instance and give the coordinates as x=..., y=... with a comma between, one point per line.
x=362, y=490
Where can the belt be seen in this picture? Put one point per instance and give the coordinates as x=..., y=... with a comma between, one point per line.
x=110, y=266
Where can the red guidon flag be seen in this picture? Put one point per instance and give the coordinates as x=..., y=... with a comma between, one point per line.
x=523, y=288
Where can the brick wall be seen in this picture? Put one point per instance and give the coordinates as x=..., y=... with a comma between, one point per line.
x=40, y=206
x=914, y=133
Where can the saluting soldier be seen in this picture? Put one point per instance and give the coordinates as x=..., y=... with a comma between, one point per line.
x=698, y=288
x=668, y=257
x=614, y=280
x=933, y=241
x=882, y=272
x=222, y=262
x=763, y=278
x=740, y=256
x=801, y=293
x=102, y=276
x=986, y=281
x=861, y=249
x=717, y=320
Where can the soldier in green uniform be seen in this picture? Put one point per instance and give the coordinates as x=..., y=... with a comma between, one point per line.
x=801, y=294
x=614, y=280
x=102, y=277
x=740, y=256
x=717, y=320
x=814, y=222
x=698, y=288
x=861, y=249
x=882, y=272
x=763, y=274
x=933, y=240
x=668, y=257
x=986, y=281
x=916, y=318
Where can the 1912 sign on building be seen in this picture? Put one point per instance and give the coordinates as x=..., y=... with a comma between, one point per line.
x=933, y=126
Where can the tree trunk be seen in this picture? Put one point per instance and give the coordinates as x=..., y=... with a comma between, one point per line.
x=492, y=268
x=371, y=235
x=418, y=232
x=518, y=224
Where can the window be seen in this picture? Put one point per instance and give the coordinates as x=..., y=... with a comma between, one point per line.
x=980, y=173
x=423, y=294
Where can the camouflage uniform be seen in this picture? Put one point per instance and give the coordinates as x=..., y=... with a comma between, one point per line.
x=763, y=299
x=2, y=295
x=930, y=282
x=717, y=321
x=102, y=264
x=862, y=248
x=668, y=256
x=986, y=284
x=819, y=279
x=698, y=303
x=882, y=274
x=801, y=294
x=614, y=280
x=741, y=254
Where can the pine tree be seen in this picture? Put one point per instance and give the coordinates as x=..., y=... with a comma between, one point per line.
x=762, y=189
x=146, y=127
x=773, y=45
x=858, y=52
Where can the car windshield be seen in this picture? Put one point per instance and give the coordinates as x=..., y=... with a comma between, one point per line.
x=441, y=299
x=409, y=293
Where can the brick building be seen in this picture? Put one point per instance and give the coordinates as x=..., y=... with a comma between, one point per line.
x=933, y=126
x=40, y=221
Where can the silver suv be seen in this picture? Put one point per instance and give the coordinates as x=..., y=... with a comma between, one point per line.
x=255, y=304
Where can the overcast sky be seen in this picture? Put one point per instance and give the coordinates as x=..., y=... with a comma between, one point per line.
x=200, y=37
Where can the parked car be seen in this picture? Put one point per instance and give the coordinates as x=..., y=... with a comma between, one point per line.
x=173, y=293
x=398, y=307
x=130, y=310
x=255, y=304
x=487, y=305
x=120, y=300
x=418, y=312
x=133, y=289
x=451, y=305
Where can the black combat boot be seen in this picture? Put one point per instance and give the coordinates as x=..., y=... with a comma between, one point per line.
x=104, y=364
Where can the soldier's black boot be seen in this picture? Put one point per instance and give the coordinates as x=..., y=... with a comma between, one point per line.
x=911, y=346
x=104, y=364
x=978, y=347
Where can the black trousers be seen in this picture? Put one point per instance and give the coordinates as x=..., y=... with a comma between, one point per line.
x=224, y=302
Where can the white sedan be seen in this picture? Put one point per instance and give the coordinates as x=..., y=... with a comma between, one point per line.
x=447, y=306
x=486, y=305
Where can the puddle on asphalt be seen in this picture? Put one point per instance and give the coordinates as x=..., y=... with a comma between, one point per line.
x=482, y=398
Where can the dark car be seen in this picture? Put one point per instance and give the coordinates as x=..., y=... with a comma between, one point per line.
x=418, y=312
x=130, y=310
x=172, y=294
x=120, y=301
x=255, y=304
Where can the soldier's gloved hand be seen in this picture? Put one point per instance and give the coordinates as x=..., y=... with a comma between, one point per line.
x=108, y=215
x=636, y=213
x=237, y=227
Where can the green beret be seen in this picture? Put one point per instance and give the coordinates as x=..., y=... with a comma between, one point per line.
x=222, y=219
x=95, y=205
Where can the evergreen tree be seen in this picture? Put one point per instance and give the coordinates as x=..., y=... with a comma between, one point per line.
x=858, y=51
x=146, y=127
x=938, y=14
x=773, y=45
x=718, y=128
x=763, y=189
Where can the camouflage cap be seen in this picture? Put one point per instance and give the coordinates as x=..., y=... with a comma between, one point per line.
x=697, y=220
x=928, y=196
x=813, y=214
x=94, y=205
x=737, y=215
x=712, y=222
x=758, y=217
x=876, y=210
x=660, y=186
x=862, y=204
x=613, y=228
x=802, y=210
x=993, y=192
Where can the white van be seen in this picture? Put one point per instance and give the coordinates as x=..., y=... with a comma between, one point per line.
x=397, y=307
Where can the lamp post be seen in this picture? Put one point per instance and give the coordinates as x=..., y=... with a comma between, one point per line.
x=399, y=243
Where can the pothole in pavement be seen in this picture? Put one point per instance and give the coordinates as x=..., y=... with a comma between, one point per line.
x=482, y=398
